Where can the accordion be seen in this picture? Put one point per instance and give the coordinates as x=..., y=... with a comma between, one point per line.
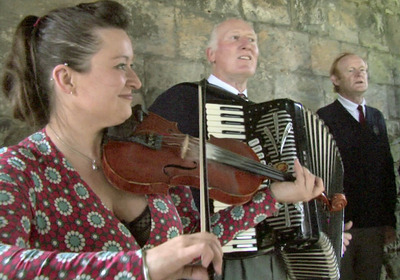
x=308, y=235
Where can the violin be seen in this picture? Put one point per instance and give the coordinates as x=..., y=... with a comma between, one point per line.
x=157, y=156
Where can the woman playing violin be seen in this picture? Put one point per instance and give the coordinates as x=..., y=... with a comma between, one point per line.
x=70, y=74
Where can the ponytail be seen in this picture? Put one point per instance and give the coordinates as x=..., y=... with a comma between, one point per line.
x=19, y=79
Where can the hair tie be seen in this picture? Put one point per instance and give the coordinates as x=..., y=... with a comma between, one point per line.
x=36, y=22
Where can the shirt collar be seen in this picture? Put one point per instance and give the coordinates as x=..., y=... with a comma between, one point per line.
x=217, y=82
x=349, y=105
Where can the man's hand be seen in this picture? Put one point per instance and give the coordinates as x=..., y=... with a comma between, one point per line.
x=390, y=234
x=346, y=235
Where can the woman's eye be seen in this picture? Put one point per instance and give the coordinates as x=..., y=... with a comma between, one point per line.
x=235, y=37
x=121, y=66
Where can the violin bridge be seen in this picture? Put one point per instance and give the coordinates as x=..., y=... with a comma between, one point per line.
x=185, y=146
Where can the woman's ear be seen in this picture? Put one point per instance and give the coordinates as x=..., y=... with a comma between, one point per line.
x=62, y=76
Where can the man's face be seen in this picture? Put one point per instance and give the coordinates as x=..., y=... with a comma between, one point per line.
x=236, y=52
x=352, y=77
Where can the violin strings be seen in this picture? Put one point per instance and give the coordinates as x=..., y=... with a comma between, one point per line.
x=223, y=156
x=245, y=163
x=233, y=159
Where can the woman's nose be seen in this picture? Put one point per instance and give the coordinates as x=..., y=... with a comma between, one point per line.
x=133, y=80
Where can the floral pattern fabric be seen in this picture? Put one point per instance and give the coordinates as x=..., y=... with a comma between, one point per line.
x=53, y=226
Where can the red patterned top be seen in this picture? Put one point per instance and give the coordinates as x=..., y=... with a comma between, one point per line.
x=53, y=225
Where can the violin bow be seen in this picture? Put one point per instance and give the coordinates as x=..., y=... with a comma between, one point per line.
x=204, y=196
x=205, y=223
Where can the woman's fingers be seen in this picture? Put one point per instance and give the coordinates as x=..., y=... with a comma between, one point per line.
x=184, y=255
x=193, y=272
x=309, y=185
x=319, y=187
x=207, y=253
x=306, y=186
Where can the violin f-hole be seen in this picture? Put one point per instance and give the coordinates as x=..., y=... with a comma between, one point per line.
x=168, y=167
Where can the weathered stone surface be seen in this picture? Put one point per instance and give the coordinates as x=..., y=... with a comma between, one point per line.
x=381, y=68
x=377, y=96
x=393, y=32
x=192, y=35
x=300, y=88
x=342, y=23
x=162, y=74
x=310, y=16
x=273, y=11
x=284, y=50
x=261, y=86
x=322, y=51
x=152, y=20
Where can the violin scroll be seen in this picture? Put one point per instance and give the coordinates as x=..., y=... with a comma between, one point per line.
x=337, y=203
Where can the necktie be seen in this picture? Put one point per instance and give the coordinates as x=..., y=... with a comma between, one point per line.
x=242, y=95
x=361, y=117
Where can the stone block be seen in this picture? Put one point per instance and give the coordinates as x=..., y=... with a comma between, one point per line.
x=323, y=52
x=300, y=88
x=153, y=27
x=342, y=23
x=161, y=74
x=283, y=50
x=275, y=11
x=380, y=68
x=193, y=34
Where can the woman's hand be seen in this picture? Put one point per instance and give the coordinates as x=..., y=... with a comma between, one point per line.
x=185, y=256
x=306, y=186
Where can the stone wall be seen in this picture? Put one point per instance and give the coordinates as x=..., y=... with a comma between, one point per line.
x=298, y=40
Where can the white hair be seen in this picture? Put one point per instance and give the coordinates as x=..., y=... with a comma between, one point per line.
x=212, y=43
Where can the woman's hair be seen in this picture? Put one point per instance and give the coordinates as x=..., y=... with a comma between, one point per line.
x=63, y=36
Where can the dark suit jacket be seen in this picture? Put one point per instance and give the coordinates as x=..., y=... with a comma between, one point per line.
x=369, y=180
x=180, y=104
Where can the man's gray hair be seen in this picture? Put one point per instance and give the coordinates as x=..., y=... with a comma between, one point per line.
x=212, y=43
